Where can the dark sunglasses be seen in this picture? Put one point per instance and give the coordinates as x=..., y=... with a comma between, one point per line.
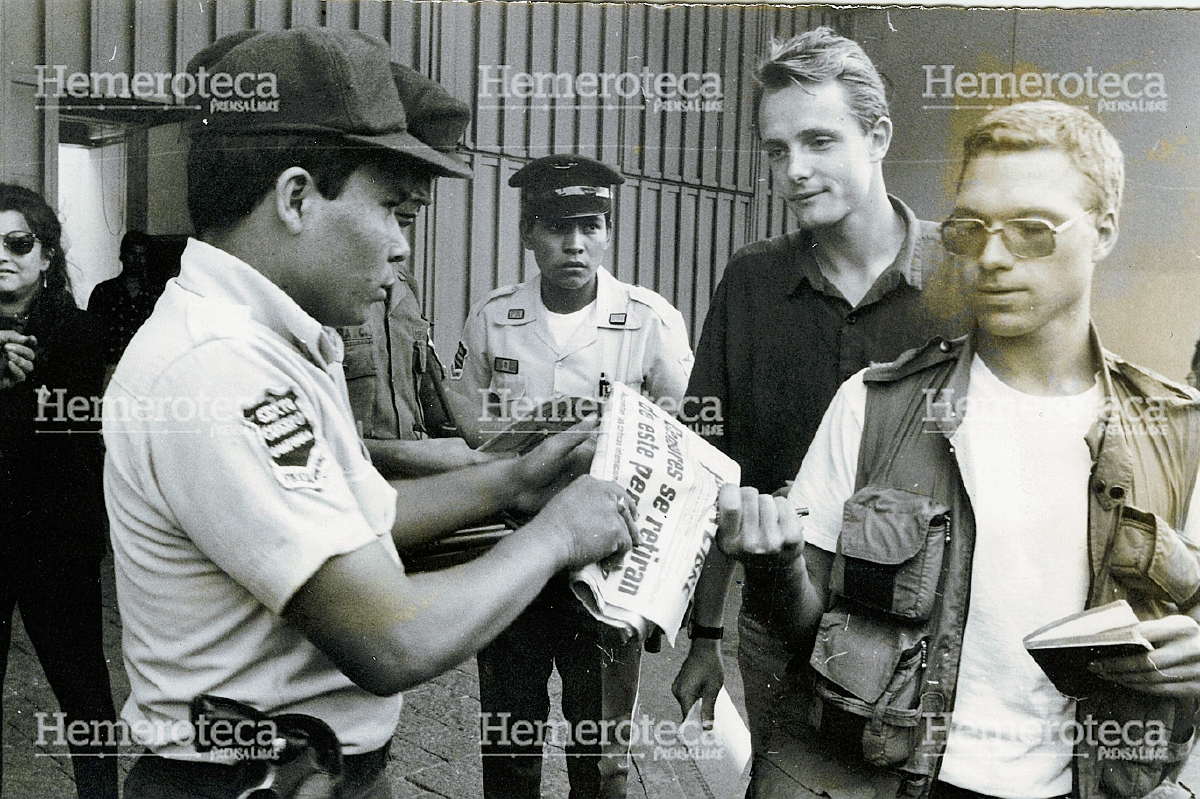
x=19, y=242
x=1024, y=238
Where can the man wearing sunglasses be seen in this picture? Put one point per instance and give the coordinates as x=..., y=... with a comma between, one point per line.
x=976, y=490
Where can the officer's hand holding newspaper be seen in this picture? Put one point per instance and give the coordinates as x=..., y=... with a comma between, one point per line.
x=553, y=465
x=674, y=477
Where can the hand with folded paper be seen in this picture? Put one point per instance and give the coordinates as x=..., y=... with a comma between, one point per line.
x=674, y=477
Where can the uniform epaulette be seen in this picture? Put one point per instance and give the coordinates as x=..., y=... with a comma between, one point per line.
x=502, y=291
x=652, y=299
x=937, y=351
x=494, y=294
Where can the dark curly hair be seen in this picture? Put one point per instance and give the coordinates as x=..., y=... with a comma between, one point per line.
x=43, y=222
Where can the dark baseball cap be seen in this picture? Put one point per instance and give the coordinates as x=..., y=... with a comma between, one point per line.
x=328, y=82
x=563, y=186
x=434, y=115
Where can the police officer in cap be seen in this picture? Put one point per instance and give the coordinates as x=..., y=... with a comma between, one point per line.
x=572, y=330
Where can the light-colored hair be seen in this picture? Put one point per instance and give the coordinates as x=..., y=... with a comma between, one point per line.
x=818, y=56
x=1049, y=124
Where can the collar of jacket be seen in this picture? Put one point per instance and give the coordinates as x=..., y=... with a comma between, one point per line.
x=216, y=275
x=1119, y=380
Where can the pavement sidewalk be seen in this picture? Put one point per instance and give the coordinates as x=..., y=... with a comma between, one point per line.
x=435, y=752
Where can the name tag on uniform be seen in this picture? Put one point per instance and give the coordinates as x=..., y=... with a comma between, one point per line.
x=508, y=366
x=616, y=318
x=516, y=313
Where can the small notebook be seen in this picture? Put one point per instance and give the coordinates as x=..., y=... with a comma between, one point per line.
x=1065, y=648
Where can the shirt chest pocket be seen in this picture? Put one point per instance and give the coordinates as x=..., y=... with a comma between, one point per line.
x=620, y=355
x=507, y=386
x=357, y=361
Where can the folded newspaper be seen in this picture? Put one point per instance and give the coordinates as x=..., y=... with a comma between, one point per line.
x=674, y=476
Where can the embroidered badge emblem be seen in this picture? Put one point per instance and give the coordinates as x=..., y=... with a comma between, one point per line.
x=460, y=360
x=287, y=435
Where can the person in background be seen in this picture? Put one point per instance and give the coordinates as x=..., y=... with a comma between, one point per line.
x=571, y=331
x=122, y=304
x=1193, y=377
x=793, y=317
x=51, y=501
x=393, y=374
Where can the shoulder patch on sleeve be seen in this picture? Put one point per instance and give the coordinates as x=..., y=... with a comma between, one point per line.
x=460, y=361
x=287, y=436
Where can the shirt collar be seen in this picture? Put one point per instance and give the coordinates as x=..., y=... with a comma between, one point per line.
x=904, y=269
x=611, y=295
x=214, y=274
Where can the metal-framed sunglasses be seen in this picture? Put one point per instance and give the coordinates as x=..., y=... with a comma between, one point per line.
x=19, y=242
x=1024, y=238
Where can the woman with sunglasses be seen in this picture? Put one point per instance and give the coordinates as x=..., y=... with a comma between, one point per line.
x=51, y=502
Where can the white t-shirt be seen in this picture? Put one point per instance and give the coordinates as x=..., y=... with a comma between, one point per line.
x=1025, y=465
x=563, y=325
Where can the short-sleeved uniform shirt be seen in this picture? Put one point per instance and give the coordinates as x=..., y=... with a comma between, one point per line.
x=233, y=473
x=507, y=351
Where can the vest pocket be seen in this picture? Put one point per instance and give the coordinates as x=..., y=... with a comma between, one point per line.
x=889, y=555
x=869, y=683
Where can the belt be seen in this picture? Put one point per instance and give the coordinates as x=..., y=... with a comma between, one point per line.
x=355, y=768
x=944, y=790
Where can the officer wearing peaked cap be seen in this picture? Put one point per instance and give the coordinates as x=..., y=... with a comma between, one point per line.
x=570, y=331
x=555, y=335
x=566, y=186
